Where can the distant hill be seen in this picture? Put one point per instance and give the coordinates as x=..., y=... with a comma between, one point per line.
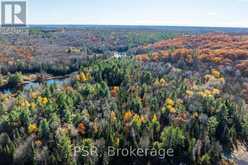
x=186, y=29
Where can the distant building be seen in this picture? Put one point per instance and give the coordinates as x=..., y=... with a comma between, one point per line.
x=119, y=54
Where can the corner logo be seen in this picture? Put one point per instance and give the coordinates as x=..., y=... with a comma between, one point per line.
x=13, y=13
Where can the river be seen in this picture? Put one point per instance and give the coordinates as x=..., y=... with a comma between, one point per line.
x=33, y=85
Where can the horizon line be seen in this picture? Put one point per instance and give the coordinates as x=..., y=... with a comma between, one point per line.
x=137, y=25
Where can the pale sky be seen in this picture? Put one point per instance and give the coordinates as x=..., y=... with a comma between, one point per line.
x=221, y=13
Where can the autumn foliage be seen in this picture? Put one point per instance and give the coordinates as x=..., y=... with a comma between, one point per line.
x=220, y=49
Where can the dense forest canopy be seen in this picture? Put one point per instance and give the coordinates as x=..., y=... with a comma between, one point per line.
x=179, y=92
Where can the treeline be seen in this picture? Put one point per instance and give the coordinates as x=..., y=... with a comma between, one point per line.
x=54, y=68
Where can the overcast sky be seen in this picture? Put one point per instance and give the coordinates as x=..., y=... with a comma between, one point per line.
x=222, y=13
